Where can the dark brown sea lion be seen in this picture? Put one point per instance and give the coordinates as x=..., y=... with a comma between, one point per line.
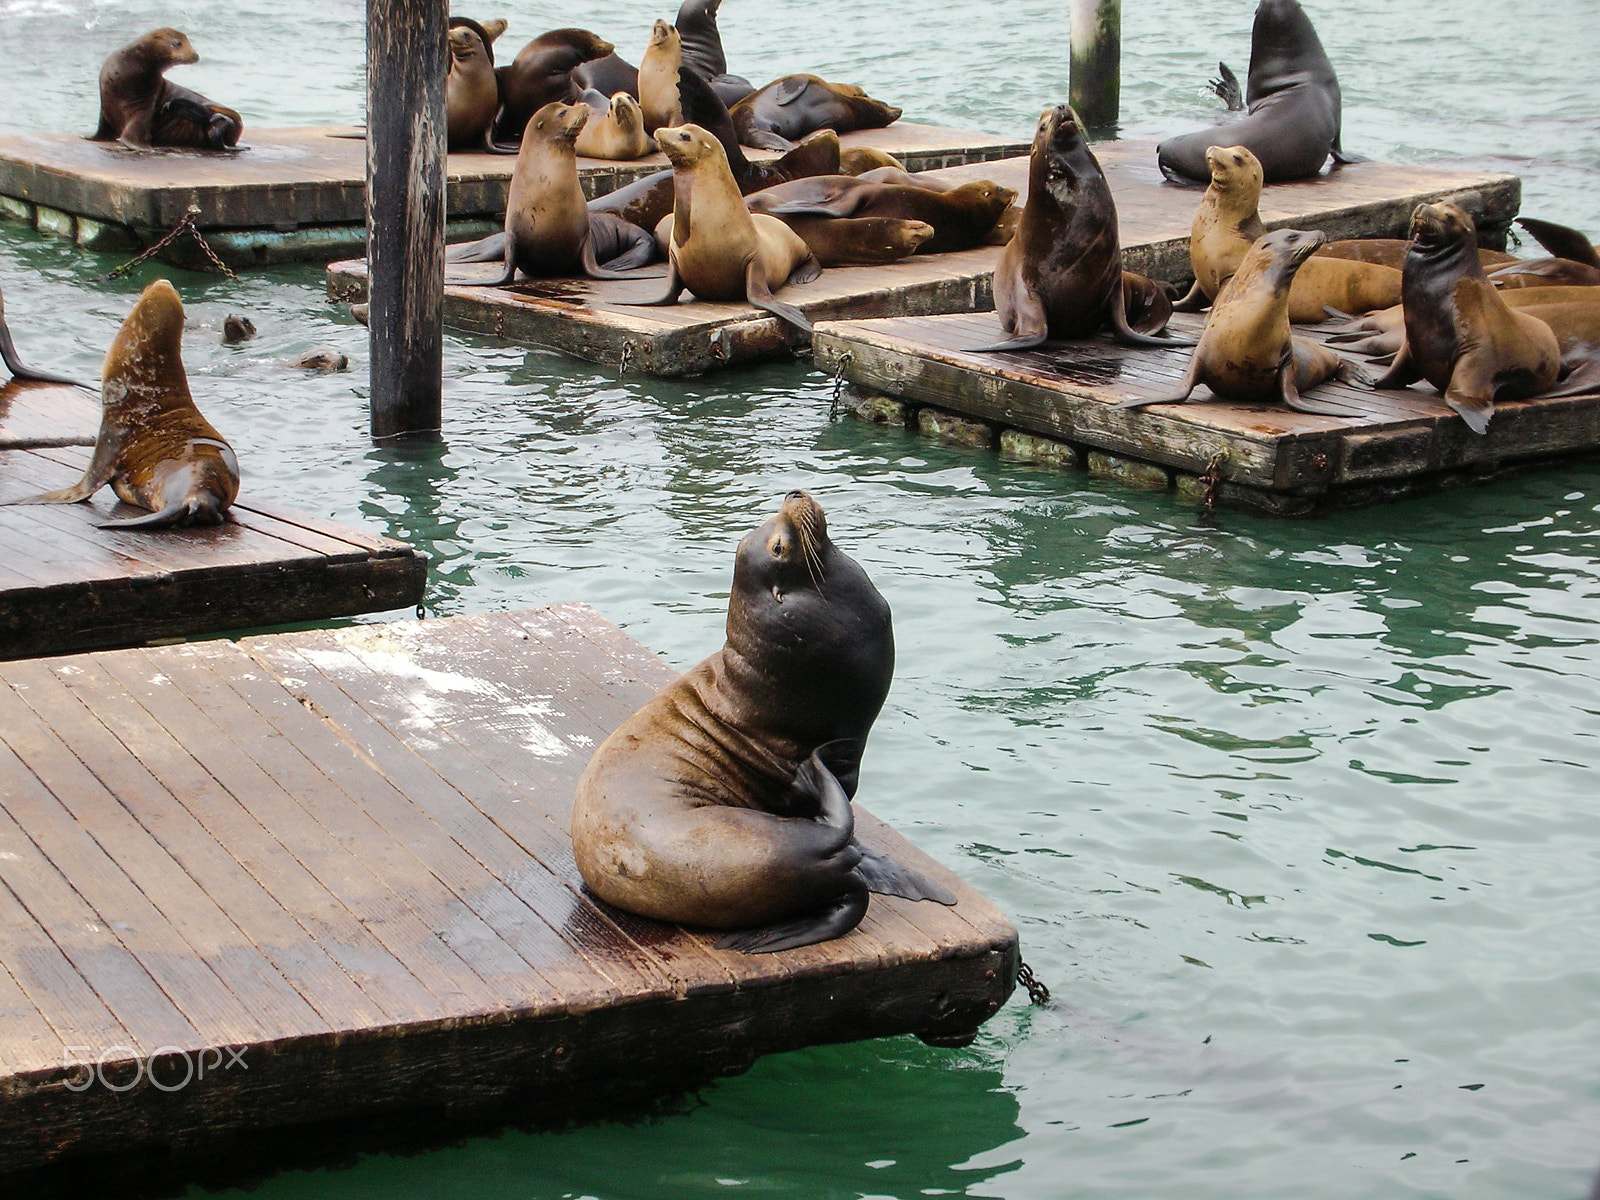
x=860, y=241
x=1460, y=335
x=645, y=201
x=718, y=249
x=1246, y=353
x=1562, y=241
x=1576, y=324
x=614, y=130
x=548, y=229
x=154, y=448
x=780, y=114
x=725, y=800
x=961, y=218
x=858, y=160
x=139, y=107
x=1293, y=120
x=237, y=328
x=471, y=91
x=702, y=49
x=542, y=74
x=322, y=360
x=1061, y=275
x=1391, y=252
x=14, y=363
x=1545, y=272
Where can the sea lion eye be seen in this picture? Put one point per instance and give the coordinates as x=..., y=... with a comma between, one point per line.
x=778, y=548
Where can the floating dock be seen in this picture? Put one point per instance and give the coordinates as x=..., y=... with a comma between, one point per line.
x=309, y=877
x=300, y=194
x=67, y=585
x=590, y=319
x=1056, y=405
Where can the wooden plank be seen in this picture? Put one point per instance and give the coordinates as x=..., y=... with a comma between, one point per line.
x=34, y=415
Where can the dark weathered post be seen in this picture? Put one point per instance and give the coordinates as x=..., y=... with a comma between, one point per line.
x=406, y=64
x=1096, y=90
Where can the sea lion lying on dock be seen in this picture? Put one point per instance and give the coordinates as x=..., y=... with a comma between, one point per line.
x=962, y=217
x=614, y=130
x=141, y=108
x=786, y=110
x=154, y=448
x=725, y=801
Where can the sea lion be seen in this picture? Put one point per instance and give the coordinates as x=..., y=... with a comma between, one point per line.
x=140, y=108
x=1293, y=119
x=1460, y=335
x=542, y=74
x=1545, y=272
x=237, y=328
x=696, y=24
x=718, y=249
x=14, y=363
x=1391, y=252
x=154, y=448
x=1246, y=353
x=1379, y=334
x=615, y=128
x=725, y=800
x=548, y=230
x=658, y=79
x=645, y=201
x=1061, y=275
x=471, y=91
x=962, y=217
x=779, y=115
x=322, y=360
x=1562, y=241
x=860, y=241
x=858, y=160
x=1576, y=324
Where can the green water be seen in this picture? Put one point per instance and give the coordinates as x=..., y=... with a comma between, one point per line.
x=1298, y=820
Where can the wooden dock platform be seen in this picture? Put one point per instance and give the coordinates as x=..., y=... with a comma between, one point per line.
x=67, y=585
x=313, y=876
x=589, y=319
x=300, y=194
x=1057, y=405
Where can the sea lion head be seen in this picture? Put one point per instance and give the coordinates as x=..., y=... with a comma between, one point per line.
x=687, y=145
x=146, y=356
x=168, y=46
x=587, y=46
x=903, y=237
x=1234, y=170
x=1060, y=154
x=986, y=199
x=663, y=36
x=556, y=122
x=627, y=114
x=468, y=41
x=1283, y=251
x=1441, y=226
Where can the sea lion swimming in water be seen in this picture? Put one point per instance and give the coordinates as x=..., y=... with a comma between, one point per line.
x=1293, y=119
x=141, y=108
x=154, y=448
x=725, y=800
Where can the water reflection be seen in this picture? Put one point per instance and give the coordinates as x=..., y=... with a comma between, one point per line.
x=408, y=481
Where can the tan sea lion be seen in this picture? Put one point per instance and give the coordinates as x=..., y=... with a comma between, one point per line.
x=154, y=448
x=14, y=363
x=1246, y=353
x=860, y=241
x=725, y=800
x=471, y=91
x=542, y=74
x=1391, y=252
x=614, y=130
x=858, y=160
x=1460, y=335
x=787, y=109
x=140, y=108
x=658, y=78
x=962, y=217
x=1576, y=324
x=1379, y=334
x=718, y=248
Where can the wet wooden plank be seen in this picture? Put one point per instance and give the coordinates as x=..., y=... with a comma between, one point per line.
x=67, y=585
x=594, y=319
x=35, y=415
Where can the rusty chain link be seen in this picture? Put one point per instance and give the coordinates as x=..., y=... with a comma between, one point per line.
x=185, y=225
x=1037, y=992
x=627, y=357
x=838, y=384
x=1209, y=482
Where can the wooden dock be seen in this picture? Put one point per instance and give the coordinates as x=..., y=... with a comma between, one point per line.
x=300, y=194
x=1057, y=405
x=67, y=585
x=308, y=877
x=588, y=319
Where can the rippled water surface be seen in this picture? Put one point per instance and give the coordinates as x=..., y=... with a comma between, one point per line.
x=1298, y=820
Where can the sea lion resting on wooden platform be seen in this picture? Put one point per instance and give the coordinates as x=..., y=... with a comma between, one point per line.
x=14, y=363
x=701, y=45
x=471, y=91
x=658, y=79
x=1379, y=334
x=1460, y=335
x=1246, y=353
x=542, y=74
x=154, y=448
x=725, y=800
x=614, y=130
x=140, y=107
x=1061, y=276
x=962, y=217
x=786, y=110
x=1227, y=222
x=717, y=248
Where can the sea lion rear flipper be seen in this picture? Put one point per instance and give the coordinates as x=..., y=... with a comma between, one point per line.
x=760, y=294
x=1117, y=311
x=1402, y=371
x=593, y=269
x=836, y=920
x=1561, y=240
x=1191, y=301
x=789, y=89
x=485, y=249
x=888, y=878
x=1226, y=86
x=173, y=514
x=765, y=139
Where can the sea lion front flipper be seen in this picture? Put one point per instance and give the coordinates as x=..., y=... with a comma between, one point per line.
x=889, y=878
x=674, y=289
x=1194, y=300
x=760, y=294
x=485, y=249
x=509, y=275
x=1561, y=240
x=838, y=203
x=1402, y=371
x=1471, y=390
x=789, y=89
x=1186, y=386
x=1342, y=157
x=107, y=449
x=765, y=139
x=1030, y=326
x=20, y=369
x=836, y=920
x=1226, y=87
x=806, y=271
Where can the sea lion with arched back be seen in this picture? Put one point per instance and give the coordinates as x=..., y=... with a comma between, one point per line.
x=154, y=448
x=1061, y=275
x=471, y=91
x=1293, y=118
x=140, y=107
x=542, y=74
x=14, y=363
x=718, y=249
x=1460, y=335
x=725, y=801
x=779, y=115
x=1246, y=353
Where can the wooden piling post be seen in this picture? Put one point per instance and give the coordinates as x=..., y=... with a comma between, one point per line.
x=1096, y=88
x=406, y=64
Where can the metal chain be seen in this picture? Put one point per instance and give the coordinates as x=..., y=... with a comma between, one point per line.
x=627, y=357
x=838, y=384
x=1037, y=992
x=1209, y=482
x=185, y=225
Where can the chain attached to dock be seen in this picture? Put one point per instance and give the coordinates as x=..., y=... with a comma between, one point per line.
x=1037, y=992
x=1209, y=482
x=185, y=225
x=838, y=384
x=627, y=357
